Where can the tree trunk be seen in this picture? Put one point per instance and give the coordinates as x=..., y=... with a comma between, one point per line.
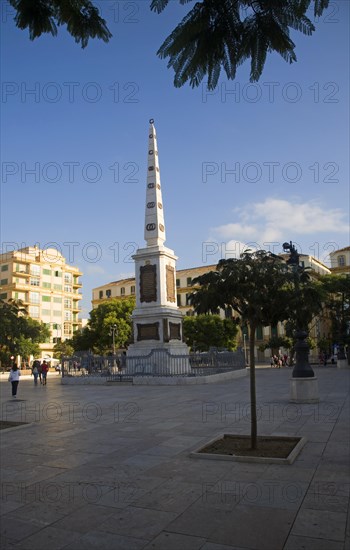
x=253, y=416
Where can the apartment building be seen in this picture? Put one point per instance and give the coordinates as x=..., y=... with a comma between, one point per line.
x=340, y=261
x=48, y=287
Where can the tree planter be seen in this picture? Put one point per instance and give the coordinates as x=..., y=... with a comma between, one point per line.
x=271, y=449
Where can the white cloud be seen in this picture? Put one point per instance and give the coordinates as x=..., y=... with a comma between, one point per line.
x=269, y=223
x=274, y=219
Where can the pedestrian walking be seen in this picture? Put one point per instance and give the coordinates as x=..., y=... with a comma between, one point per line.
x=45, y=368
x=35, y=371
x=40, y=371
x=14, y=375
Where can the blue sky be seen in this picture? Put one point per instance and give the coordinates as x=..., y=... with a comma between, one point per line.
x=257, y=164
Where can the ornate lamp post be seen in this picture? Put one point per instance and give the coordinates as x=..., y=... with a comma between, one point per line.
x=113, y=331
x=302, y=368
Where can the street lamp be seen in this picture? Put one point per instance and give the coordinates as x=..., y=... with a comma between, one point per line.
x=302, y=368
x=113, y=331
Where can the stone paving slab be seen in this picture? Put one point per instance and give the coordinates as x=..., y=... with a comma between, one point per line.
x=108, y=467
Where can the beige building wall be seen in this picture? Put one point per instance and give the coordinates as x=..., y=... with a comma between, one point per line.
x=48, y=287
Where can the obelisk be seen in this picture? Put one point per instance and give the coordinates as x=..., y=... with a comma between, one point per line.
x=157, y=320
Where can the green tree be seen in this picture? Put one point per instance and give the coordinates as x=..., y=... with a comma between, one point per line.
x=63, y=348
x=19, y=333
x=96, y=336
x=277, y=342
x=204, y=331
x=45, y=16
x=337, y=304
x=254, y=286
x=214, y=35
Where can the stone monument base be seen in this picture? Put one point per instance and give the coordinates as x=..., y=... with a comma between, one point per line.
x=158, y=359
x=304, y=390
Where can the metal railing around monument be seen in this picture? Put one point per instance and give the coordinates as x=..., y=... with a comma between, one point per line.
x=156, y=363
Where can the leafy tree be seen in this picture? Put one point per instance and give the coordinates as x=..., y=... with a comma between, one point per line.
x=19, y=333
x=63, y=348
x=44, y=16
x=222, y=35
x=204, y=331
x=277, y=342
x=255, y=287
x=214, y=35
x=96, y=336
x=337, y=304
x=305, y=300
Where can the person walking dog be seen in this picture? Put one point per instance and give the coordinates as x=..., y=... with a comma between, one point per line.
x=14, y=375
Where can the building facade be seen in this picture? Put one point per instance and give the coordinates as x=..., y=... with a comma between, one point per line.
x=340, y=261
x=47, y=286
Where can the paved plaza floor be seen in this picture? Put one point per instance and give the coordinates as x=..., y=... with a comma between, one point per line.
x=108, y=467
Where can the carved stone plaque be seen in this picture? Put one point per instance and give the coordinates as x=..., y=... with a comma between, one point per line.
x=148, y=283
x=148, y=331
x=170, y=283
x=175, y=331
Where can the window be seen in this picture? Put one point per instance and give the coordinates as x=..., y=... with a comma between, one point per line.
x=34, y=297
x=132, y=290
x=35, y=270
x=177, y=282
x=46, y=285
x=100, y=294
x=187, y=300
x=67, y=288
x=259, y=332
x=20, y=268
x=47, y=271
x=178, y=296
x=341, y=261
x=108, y=293
x=4, y=281
x=57, y=287
x=274, y=331
x=57, y=300
x=189, y=281
x=67, y=277
x=46, y=298
x=34, y=281
x=3, y=296
x=45, y=312
x=122, y=291
x=67, y=329
x=56, y=313
x=67, y=315
x=34, y=311
x=57, y=273
x=67, y=303
x=4, y=268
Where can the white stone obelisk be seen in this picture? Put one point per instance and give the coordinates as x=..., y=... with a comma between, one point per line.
x=157, y=320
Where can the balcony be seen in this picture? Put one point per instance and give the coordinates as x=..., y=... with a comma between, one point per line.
x=21, y=273
x=76, y=284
